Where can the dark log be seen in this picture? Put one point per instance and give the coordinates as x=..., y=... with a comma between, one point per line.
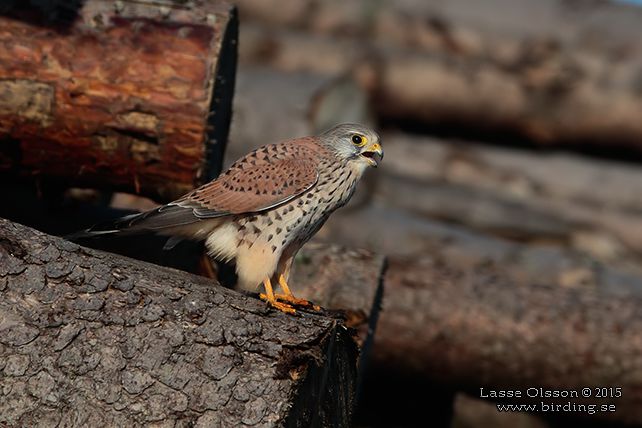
x=472, y=328
x=140, y=89
x=93, y=339
x=345, y=280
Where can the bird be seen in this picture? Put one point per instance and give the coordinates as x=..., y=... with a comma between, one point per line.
x=265, y=206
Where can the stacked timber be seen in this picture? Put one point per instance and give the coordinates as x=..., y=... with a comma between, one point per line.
x=509, y=251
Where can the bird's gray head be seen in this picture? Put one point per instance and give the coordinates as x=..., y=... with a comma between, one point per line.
x=354, y=142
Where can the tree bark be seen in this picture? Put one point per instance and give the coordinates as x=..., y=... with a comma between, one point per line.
x=93, y=339
x=141, y=90
x=472, y=328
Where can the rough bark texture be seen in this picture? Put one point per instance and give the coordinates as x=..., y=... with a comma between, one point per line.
x=554, y=71
x=142, y=90
x=93, y=339
x=467, y=328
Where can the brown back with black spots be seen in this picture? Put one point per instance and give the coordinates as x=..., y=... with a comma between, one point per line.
x=267, y=177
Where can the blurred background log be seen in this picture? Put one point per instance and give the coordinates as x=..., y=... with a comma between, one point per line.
x=469, y=328
x=551, y=72
x=141, y=90
x=129, y=343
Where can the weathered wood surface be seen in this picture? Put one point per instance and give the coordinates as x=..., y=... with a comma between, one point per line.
x=472, y=327
x=140, y=89
x=553, y=71
x=91, y=338
x=340, y=278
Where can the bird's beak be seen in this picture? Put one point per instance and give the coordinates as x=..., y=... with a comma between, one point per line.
x=373, y=153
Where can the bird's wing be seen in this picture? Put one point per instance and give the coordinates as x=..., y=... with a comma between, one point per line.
x=252, y=189
x=263, y=179
x=255, y=183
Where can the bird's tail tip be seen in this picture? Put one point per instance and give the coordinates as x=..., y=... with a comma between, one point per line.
x=89, y=233
x=105, y=228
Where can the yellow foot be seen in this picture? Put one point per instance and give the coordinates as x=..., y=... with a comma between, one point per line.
x=289, y=298
x=283, y=307
x=269, y=297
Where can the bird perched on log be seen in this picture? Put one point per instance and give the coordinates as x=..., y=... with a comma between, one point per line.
x=265, y=207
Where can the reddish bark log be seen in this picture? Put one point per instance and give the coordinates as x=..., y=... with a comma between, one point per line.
x=142, y=91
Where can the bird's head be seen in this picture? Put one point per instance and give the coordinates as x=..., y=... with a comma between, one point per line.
x=355, y=143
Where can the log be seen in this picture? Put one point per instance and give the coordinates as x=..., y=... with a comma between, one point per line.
x=471, y=328
x=552, y=72
x=341, y=278
x=485, y=187
x=404, y=235
x=346, y=280
x=91, y=338
x=142, y=90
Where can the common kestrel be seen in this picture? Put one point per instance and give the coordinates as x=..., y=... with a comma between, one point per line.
x=268, y=204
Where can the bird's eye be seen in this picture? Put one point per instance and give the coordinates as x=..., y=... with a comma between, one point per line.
x=358, y=140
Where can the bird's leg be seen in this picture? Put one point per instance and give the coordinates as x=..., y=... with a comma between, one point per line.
x=289, y=297
x=271, y=299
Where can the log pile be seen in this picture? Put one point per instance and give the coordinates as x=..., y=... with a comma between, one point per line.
x=136, y=97
x=124, y=96
x=509, y=268
x=539, y=215
x=536, y=213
